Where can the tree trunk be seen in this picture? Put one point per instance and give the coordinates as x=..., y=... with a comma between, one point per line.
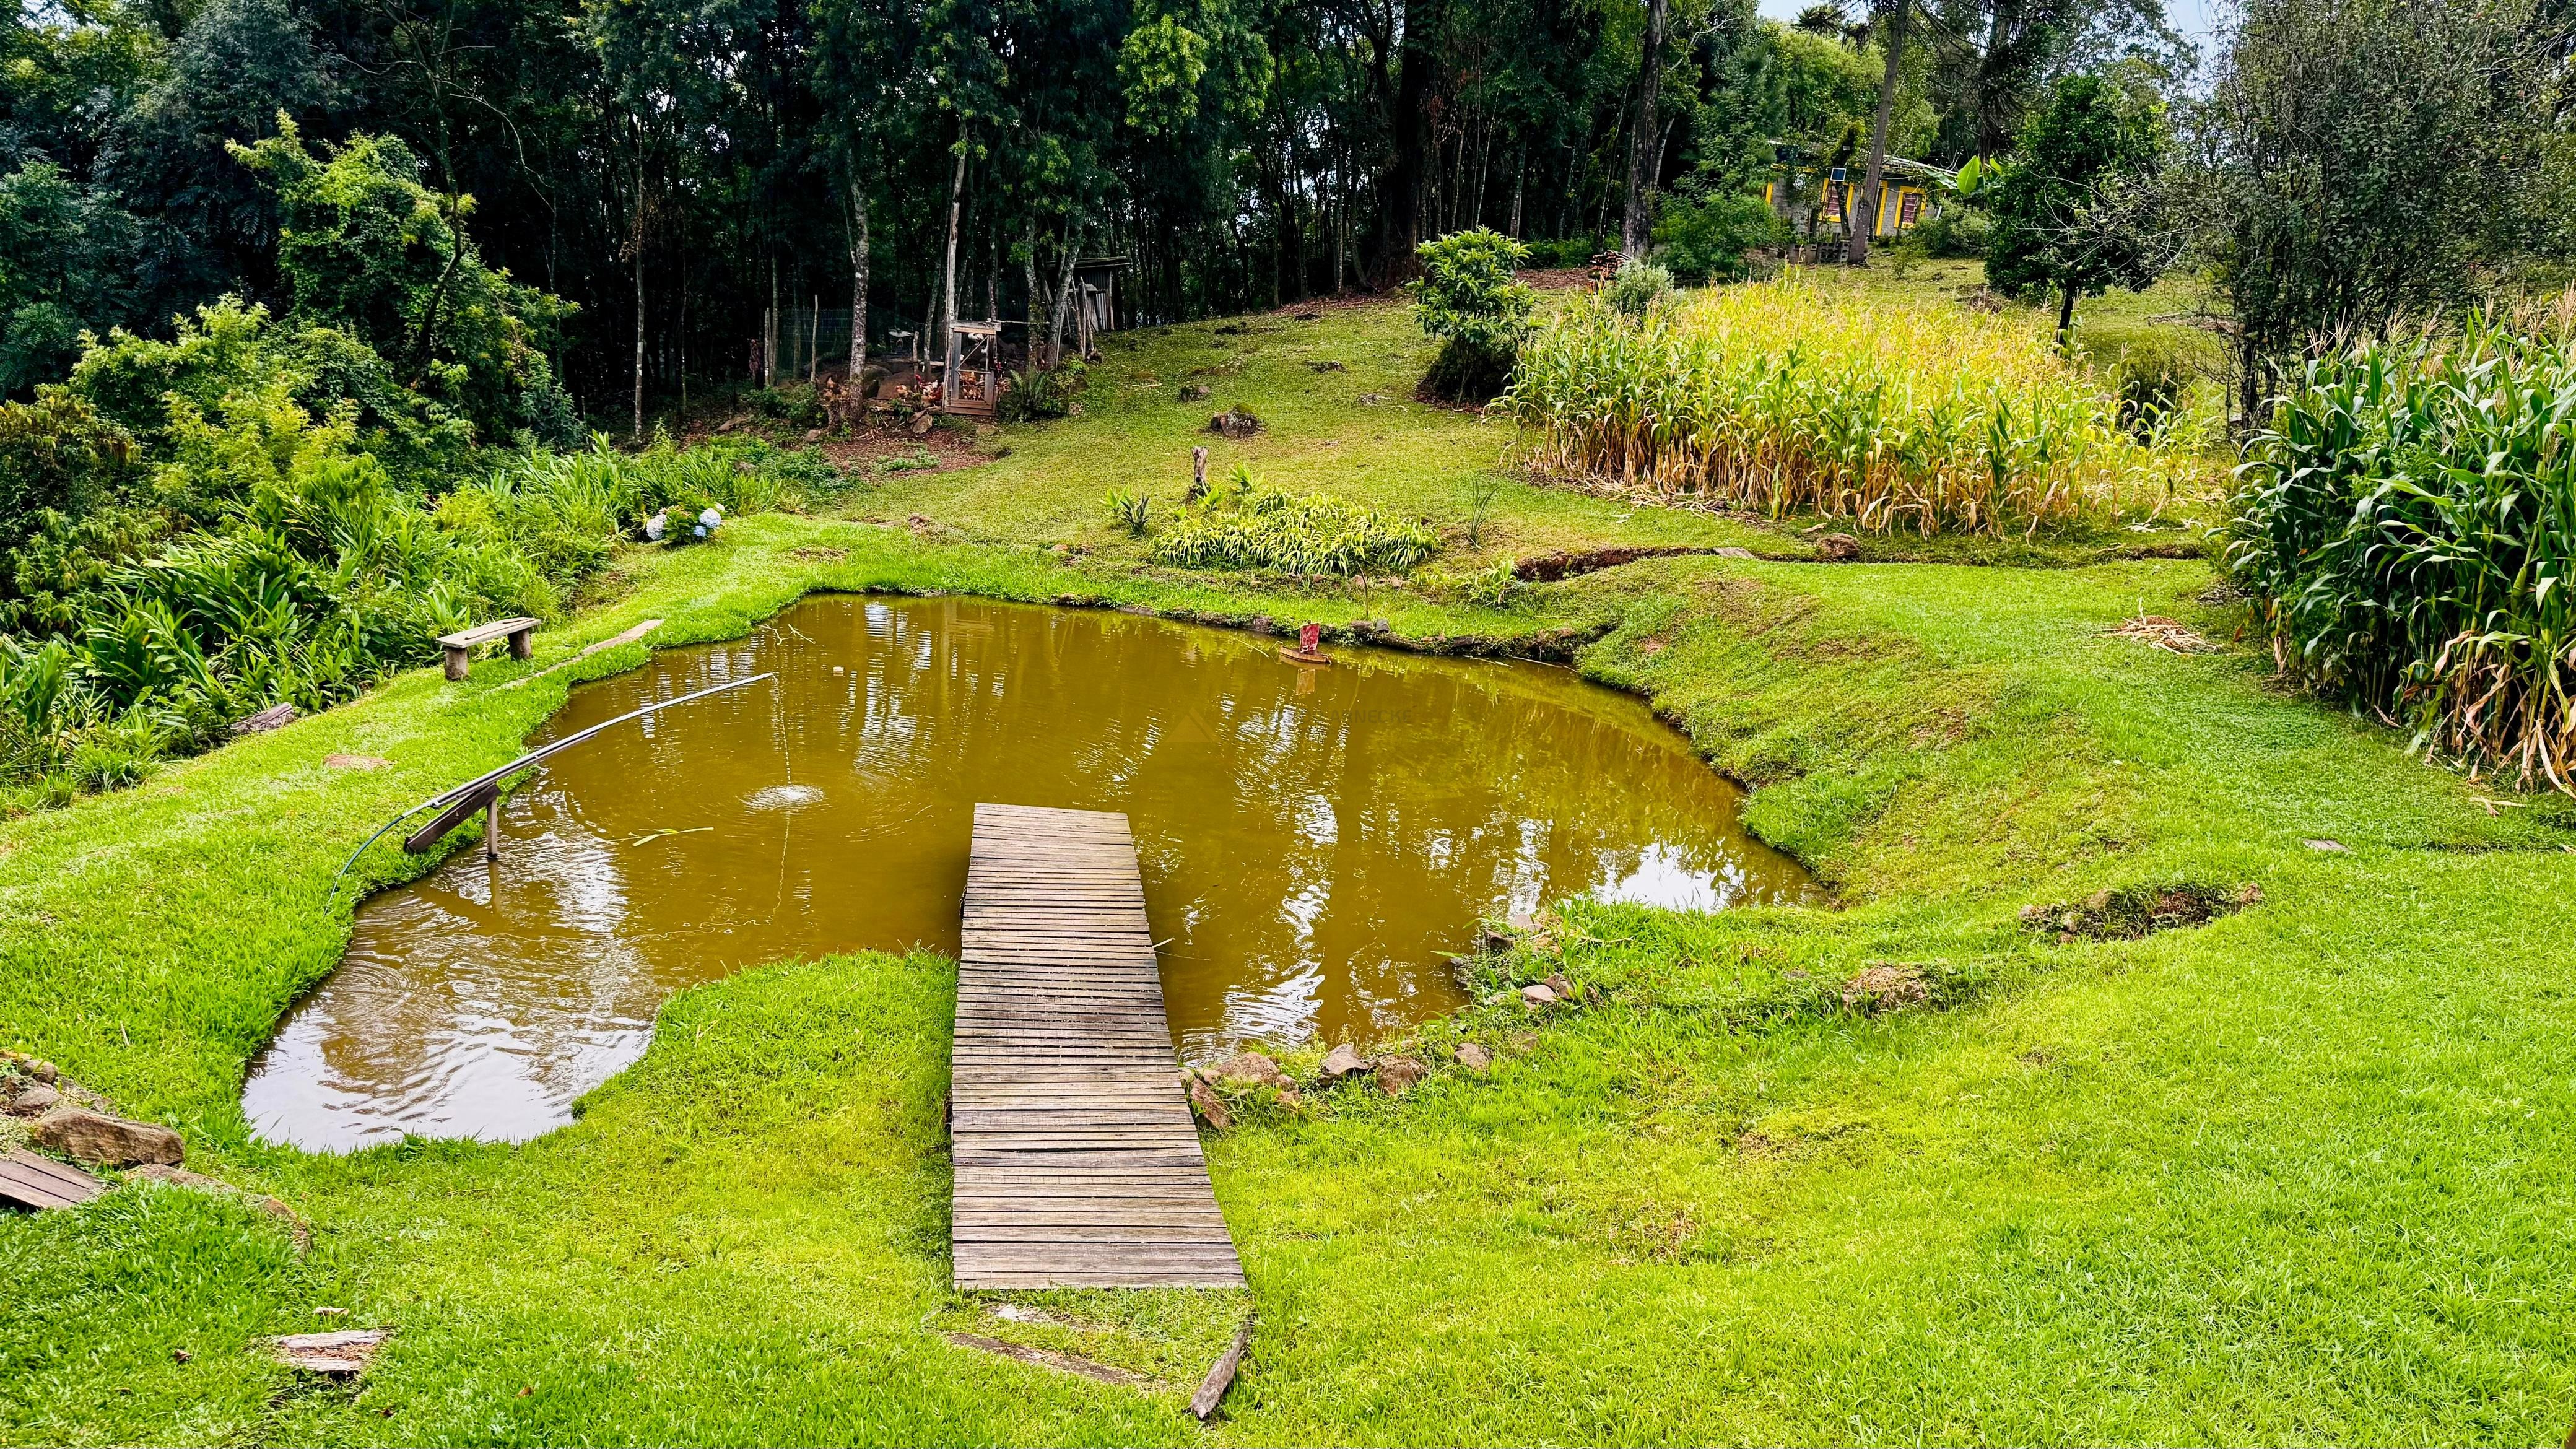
x=2066, y=315
x=1400, y=214
x=858, y=285
x=945, y=343
x=1520, y=184
x=1065, y=300
x=638, y=434
x=1860, y=217
x=1645, y=141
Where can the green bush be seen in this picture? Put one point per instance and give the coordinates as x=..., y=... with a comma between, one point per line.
x=1469, y=297
x=794, y=403
x=1468, y=289
x=1707, y=240
x=1955, y=231
x=1573, y=251
x=1039, y=394
x=1249, y=525
x=1636, y=287
x=2407, y=529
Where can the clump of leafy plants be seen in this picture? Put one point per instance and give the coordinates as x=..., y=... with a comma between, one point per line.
x=1780, y=397
x=1128, y=509
x=1039, y=394
x=1636, y=287
x=1496, y=586
x=1469, y=297
x=1247, y=524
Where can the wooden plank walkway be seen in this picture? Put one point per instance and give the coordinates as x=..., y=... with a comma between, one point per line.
x=30, y=1181
x=1078, y=1164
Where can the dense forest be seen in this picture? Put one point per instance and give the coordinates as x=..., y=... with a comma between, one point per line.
x=672, y=173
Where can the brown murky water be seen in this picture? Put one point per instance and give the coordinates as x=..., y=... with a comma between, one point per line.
x=1314, y=843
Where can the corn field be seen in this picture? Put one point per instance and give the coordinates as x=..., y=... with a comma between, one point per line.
x=2407, y=528
x=1782, y=398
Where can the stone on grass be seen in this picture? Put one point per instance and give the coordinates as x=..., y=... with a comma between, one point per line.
x=1838, y=548
x=1234, y=423
x=276, y=716
x=1397, y=1074
x=1251, y=1067
x=99, y=1140
x=1563, y=988
x=1538, y=996
x=340, y=1354
x=36, y=1067
x=1342, y=1062
x=27, y=1097
x=1473, y=1057
x=1211, y=1108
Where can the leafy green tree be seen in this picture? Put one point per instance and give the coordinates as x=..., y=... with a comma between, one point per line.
x=2075, y=215
x=62, y=245
x=367, y=249
x=231, y=73
x=2358, y=161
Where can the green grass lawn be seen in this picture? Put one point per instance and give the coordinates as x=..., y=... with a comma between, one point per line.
x=2297, y=1174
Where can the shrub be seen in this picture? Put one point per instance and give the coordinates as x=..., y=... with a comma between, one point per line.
x=1039, y=394
x=1778, y=397
x=1955, y=231
x=2407, y=529
x=1707, y=240
x=1468, y=288
x=1636, y=287
x=1468, y=372
x=793, y=403
x=1249, y=525
x=1469, y=297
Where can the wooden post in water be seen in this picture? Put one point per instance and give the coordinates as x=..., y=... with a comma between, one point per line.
x=492, y=827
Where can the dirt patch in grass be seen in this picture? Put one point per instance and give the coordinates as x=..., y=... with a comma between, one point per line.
x=1547, y=568
x=2138, y=911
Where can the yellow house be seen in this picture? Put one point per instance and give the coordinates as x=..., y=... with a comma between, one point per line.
x=1907, y=193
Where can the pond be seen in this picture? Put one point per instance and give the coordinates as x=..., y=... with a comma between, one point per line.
x=1315, y=843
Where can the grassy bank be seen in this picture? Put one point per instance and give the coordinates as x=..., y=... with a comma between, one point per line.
x=2288, y=1175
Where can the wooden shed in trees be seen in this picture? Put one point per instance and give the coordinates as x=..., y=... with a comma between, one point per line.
x=1095, y=300
x=977, y=390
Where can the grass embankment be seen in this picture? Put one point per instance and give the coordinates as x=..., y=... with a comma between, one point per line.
x=2288, y=1175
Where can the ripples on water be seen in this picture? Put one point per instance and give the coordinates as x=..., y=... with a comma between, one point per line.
x=1314, y=842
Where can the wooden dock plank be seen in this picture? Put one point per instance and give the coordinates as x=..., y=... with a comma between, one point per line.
x=1077, y=1161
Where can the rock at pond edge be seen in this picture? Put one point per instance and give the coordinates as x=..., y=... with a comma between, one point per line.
x=1342, y=1062
x=1396, y=1075
x=103, y=1141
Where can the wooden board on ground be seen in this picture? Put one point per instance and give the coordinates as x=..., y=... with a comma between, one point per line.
x=1077, y=1163
x=30, y=1181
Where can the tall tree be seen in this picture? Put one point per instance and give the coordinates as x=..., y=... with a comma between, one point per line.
x=2356, y=161
x=1861, y=218
x=2075, y=214
x=1645, y=139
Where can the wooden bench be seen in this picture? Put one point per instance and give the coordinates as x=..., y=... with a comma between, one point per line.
x=457, y=644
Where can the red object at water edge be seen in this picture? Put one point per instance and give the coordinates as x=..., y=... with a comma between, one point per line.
x=1310, y=638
